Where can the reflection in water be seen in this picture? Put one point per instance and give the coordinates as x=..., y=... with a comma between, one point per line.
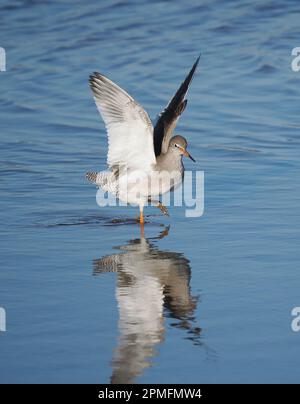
x=151, y=283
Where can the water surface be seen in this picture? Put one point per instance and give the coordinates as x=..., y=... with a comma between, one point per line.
x=90, y=299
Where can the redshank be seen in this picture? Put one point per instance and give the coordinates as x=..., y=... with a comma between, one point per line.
x=144, y=162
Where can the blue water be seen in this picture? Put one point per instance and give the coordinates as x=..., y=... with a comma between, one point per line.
x=206, y=299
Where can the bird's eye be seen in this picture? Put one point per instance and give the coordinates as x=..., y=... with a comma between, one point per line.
x=176, y=145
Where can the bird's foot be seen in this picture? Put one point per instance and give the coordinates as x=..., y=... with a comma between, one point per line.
x=164, y=233
x=163, y=209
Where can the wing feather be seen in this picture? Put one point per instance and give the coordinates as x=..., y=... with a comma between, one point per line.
x=129, y=129
x=168, y=118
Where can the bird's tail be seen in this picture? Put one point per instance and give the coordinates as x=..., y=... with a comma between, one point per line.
x=103, y=179
x=92, y=177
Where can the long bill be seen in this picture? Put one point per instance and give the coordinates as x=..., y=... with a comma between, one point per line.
x=187, y=154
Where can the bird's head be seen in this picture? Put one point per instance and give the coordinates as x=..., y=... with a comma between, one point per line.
x=178, y=144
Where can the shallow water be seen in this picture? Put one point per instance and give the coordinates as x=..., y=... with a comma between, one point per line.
x=209, y=299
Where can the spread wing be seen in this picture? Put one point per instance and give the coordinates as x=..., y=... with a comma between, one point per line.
x=129, y=129
x=169, y=116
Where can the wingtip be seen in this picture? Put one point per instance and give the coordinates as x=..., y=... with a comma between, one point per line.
x=92, y=78
x=95, y=76
x=197, y=61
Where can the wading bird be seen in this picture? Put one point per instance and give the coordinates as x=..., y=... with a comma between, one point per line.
x=143, y=162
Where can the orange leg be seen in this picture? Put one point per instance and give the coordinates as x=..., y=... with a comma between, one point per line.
x=142, y=229
x=142, y=221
